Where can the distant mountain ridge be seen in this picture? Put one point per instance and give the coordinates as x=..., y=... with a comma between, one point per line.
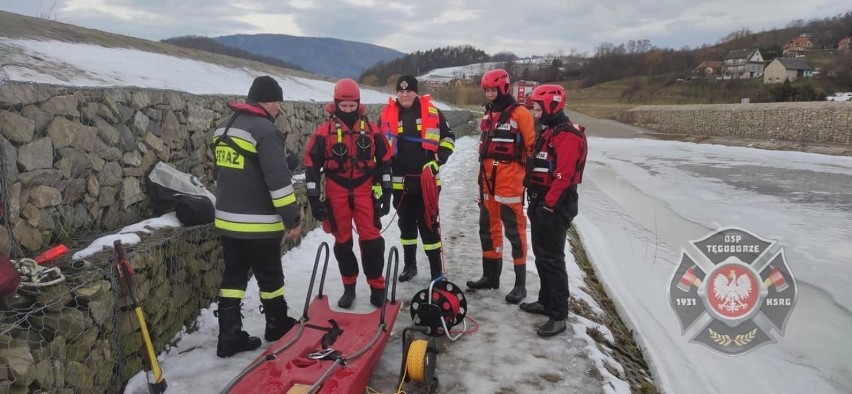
x=331, y=57
x=213, y=46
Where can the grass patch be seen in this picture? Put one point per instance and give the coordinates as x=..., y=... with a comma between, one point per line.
x=625, y=349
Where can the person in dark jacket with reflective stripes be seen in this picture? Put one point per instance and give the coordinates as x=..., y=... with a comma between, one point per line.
x=421, y=139
x=255, y=206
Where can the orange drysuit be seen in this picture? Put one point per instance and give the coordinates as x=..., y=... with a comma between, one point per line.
x=507, y=138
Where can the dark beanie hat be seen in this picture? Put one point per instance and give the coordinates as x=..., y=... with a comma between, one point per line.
x=265, y=89
x=406, y=82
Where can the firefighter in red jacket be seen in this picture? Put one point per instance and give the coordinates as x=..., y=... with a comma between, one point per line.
x=422, y=140
x=508, y=133
x=347, y=163
x=553, y=172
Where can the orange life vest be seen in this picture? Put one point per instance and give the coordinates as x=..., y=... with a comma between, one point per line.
x=428, y=125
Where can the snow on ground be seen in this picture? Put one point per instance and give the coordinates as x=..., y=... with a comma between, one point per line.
x=504, y=354
x=644, y=200
x=446, y=74
x=65, y=63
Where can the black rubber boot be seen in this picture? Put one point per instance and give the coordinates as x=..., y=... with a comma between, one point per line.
x=435, y=263
x=277, y=321
x=232, y=339
x=491, y=269
x=551, y=328
x=532, y=307
x=377, y=296
x=408, y=272
x=409, y=258
x=348, y=297
x=519, y=292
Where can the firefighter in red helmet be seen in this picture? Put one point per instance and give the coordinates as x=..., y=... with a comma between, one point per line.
x=347, y=163
x=508, y=132
x=553, y=172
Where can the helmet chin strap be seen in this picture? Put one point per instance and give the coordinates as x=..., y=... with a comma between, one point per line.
x=552, y=119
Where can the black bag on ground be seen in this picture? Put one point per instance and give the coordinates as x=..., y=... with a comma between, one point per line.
x=193, y=210
x=171, y=189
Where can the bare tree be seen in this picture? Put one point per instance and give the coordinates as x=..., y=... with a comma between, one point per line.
x=45, y=11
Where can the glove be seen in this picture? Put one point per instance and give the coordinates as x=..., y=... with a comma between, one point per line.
x=317, y=208
x=386, y=202
x=443, y=155
x=292, y=161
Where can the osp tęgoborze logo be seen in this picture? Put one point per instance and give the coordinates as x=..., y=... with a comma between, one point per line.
x=734, y=292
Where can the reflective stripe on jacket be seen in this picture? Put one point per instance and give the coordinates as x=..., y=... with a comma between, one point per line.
x=506, y=178
x=428, y=124
x=254, y=190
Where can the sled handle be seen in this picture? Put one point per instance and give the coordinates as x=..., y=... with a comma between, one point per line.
x=393, y=260
x=322, y=246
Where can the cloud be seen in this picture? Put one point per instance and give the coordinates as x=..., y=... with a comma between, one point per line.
x=526, y=27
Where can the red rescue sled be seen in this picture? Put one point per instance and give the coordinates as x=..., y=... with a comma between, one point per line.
x=329, y=351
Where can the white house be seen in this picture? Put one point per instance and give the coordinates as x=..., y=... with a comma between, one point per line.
x=743, y=63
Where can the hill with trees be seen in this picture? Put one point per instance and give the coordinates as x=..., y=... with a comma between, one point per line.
x=331, y=57
x=384, y=73
x=612, y=62
x=638, y=72
x=210, y=45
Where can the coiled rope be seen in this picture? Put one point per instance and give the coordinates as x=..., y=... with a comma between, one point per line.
x=415, y=363
x=34, y=275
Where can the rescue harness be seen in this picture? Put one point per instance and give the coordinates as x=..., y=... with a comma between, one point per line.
x=540, y=166
x=499, y=142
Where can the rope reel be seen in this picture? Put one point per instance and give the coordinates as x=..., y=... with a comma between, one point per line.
x=421, y=361
x=439, y=308
x=434, y=312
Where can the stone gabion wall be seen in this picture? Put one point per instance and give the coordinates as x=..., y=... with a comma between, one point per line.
x=806, y=122
x=74, y=160
x=73, y=166
x=82, y=336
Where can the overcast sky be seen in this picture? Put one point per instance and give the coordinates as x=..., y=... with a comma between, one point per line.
x=524, y=27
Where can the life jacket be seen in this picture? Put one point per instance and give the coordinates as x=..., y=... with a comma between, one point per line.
x=428, y=125
x=501, y=140
x=540, y=166
x=350, y=155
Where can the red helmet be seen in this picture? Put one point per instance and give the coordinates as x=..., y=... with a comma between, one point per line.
x=497, y=78
x=551, y=98
x=347, y=90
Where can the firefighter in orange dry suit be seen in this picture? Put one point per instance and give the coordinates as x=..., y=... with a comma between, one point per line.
x=353, y=156
x=422, y=140
x=508, y=134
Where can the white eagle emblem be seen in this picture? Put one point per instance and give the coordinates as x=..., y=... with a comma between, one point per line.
x=733, y=292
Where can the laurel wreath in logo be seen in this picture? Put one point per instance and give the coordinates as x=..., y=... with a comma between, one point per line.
x=739, y=340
